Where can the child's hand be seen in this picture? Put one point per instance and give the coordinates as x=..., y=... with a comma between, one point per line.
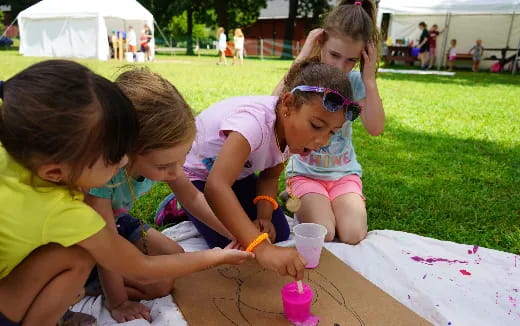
x=235, y=245
x=284, y=261
x=266, y=226
x=130, y=310
x=370, y=64
x=312, y=40
x=233, y=256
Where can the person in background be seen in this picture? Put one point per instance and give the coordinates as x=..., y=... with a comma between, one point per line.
x=424, y=45
x=221, y=46
x=477, y=51
x=452, y=53
x=434, y=32
x=131, y=40
x=238, y=39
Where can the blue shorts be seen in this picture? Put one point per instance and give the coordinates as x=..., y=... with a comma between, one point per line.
x=130, y=227
x=7, y=322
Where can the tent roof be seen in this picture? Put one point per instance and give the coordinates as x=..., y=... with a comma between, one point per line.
x=123, y=9
x=453, y=6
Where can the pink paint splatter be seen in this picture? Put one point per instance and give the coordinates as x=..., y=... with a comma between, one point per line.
x=464, y=272
x=513, y=301
x=431, y=260
x=470, y=252
x=475, y=248
x=424, y=276
x=516, y=290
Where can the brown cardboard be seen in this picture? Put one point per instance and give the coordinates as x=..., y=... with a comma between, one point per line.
x=250, y=295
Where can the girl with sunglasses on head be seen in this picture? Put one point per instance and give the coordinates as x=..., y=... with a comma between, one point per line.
x=328, y=181
x=239, y=136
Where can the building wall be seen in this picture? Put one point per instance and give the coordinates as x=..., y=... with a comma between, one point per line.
x=272, y=32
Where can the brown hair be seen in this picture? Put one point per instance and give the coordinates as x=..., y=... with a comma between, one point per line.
x=312, y=72
x=58, y=111
x=165, y=119
x=355, y=21
x=220, y=30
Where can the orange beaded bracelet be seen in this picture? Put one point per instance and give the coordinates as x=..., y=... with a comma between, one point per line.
x=268, y=198
x=256, y=242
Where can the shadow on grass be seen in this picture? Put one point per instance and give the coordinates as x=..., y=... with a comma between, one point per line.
x=460, y=78
x=461, y=190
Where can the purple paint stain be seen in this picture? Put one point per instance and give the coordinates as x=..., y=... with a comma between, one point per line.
x=513, y=301
x=516, y=290
x=464, y=272
x=409, y=298
x=424, y=276
x=449, y=323
x=431, y=260
x=496, y=301
x=475, y=248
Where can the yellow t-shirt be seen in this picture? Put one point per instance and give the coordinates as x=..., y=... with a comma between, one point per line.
x=32, y=217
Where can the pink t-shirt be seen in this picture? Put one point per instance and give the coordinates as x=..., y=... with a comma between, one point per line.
x=251, y=116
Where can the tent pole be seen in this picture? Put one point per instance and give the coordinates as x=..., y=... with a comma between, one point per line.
x=515, y=62
x=510, y=29
x=162, y=34
x=440, y=61
x=12, y=23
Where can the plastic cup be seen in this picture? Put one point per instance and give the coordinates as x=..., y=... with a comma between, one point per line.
x=297, y=306
x=309, y=239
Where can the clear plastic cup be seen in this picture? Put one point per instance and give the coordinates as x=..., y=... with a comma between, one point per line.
x=309, y=238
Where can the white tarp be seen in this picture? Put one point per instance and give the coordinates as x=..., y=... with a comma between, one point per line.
x=444, y=282
x=78, y=28
x=496, y=23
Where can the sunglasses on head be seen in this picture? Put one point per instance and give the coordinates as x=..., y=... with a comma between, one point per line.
x=333, y=101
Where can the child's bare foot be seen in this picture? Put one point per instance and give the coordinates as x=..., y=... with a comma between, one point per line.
x=71, y=318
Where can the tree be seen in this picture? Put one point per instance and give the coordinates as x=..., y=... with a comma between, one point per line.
x=1, y=20
x=311, y=10
x=289, y=30
x=237, y=13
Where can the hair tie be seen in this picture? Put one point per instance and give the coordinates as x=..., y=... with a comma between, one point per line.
x=357, y=3
x=1, y=89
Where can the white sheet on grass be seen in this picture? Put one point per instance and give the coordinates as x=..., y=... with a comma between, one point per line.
x=444, y=282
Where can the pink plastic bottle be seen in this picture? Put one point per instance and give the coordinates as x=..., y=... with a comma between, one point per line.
x=296, y=306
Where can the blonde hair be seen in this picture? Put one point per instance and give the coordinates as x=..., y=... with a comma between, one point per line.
x=220, y=30
x=165, y=119
x=238, y=33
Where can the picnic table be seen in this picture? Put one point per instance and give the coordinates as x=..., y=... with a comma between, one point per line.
x=399, y=53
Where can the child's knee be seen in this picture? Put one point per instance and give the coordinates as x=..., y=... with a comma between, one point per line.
x=331, y=233
x=159, y=290
x=82, y=261
x=353, y=236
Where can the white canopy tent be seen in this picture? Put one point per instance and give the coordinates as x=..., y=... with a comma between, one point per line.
x=78, y=28
x=495, y=22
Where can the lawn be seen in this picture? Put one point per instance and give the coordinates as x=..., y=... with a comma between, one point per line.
x=447, y=165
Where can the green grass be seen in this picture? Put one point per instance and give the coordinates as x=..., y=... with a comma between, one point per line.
x=447, y=165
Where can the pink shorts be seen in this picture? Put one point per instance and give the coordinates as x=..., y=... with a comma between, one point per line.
x=452, y=57
x=330, y=189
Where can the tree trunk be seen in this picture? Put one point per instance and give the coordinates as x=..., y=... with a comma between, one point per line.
x=189, y=43
x=222, y=17
x=289, y=30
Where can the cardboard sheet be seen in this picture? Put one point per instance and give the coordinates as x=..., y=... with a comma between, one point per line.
x=250, y=295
